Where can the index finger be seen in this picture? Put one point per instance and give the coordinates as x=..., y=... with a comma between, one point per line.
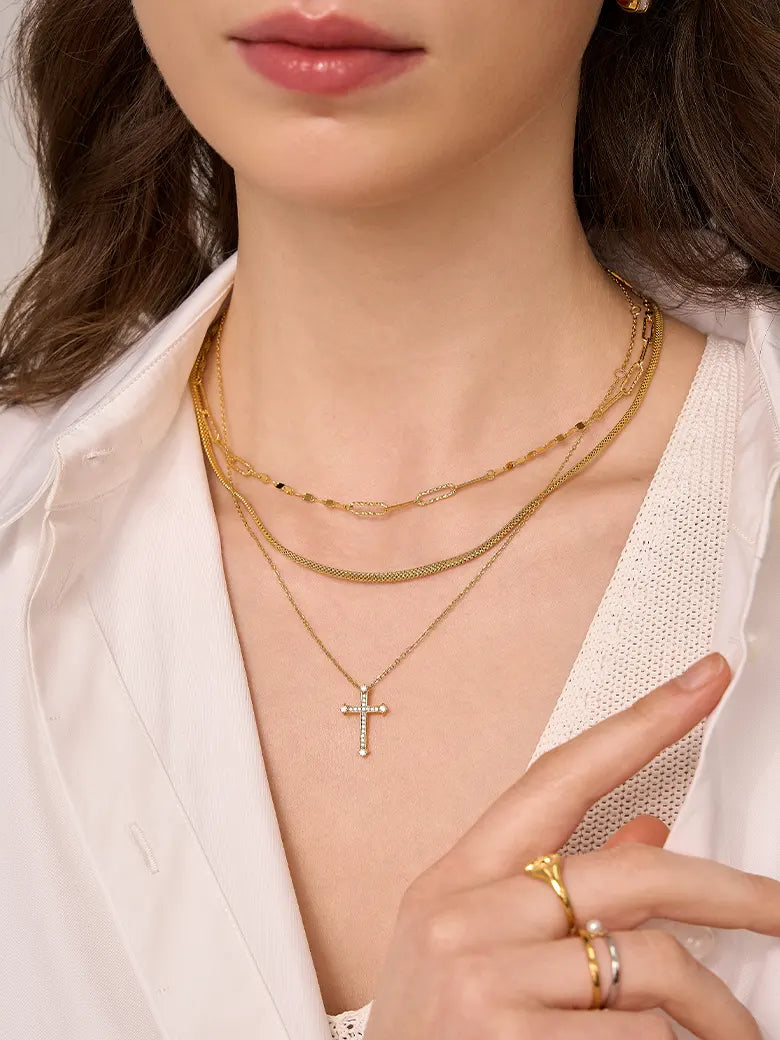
x=541, y=810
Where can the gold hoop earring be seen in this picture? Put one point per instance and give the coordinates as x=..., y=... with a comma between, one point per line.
x=636, y=6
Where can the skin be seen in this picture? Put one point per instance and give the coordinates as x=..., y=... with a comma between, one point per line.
x=468, y=956
x=415, y=300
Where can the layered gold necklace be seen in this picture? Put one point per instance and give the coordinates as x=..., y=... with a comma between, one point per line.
x=623, y=382
x=630, y=378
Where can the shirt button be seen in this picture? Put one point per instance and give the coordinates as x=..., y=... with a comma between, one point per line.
x=97, y=454
x=698, y=940
x=753, y=641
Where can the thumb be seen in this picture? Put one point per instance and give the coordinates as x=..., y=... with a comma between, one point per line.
x=648, y=830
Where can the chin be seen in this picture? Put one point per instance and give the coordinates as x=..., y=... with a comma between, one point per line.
x=343, y=170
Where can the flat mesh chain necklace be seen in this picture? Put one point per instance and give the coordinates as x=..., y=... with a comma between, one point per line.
x=652, y=340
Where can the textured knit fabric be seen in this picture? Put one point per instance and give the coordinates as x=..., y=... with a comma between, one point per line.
x=658, y=611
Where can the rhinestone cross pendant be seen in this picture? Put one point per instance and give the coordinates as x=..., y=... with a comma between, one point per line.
x=364, y=708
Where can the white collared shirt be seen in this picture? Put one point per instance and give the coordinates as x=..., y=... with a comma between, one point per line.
x=144, y=888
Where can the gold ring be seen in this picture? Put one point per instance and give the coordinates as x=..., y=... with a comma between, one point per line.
x=595, y=929
x=593, y=968
x=549, y=868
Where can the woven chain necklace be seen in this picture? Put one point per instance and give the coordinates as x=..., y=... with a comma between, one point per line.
x=640, y=377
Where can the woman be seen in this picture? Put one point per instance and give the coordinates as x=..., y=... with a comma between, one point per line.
x=342, y=249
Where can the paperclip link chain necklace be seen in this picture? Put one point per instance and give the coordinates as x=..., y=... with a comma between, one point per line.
x=651, y=326
x=621, y=386
x=364, y=709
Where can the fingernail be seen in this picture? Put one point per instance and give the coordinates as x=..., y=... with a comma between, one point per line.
x=701, y=672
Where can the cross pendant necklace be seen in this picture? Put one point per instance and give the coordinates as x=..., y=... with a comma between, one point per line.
x=652, y=334
x=364, y=709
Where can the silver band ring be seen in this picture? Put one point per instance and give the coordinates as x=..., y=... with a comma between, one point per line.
x=596, y=930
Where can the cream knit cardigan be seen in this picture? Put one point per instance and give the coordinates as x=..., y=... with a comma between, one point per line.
x=658, y=610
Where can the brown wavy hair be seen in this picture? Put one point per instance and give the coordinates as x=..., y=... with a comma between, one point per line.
x=677, y=132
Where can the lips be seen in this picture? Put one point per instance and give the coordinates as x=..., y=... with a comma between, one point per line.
x=330, y=54
x=325, y=70
x=328, y=31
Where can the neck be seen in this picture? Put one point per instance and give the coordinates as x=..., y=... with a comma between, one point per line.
x=378, y=350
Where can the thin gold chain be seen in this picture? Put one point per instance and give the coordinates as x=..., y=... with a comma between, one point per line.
x=622, y=385
x=436, y=621
x=557, y=479
x=561, y=476
x=652, y=337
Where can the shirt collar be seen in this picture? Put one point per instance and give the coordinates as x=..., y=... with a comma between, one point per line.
x=98, y=439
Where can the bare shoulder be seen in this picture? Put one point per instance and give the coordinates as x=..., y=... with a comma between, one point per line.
x=682, y=338
x=683, y=349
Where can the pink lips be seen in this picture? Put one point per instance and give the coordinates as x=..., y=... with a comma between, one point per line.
x=325, y=55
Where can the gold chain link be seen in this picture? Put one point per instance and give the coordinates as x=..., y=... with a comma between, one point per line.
x=622, y=385
x=651, y=328
x=652, y=338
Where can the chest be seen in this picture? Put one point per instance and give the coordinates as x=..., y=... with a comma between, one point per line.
x=610, y=588
x=467, y=709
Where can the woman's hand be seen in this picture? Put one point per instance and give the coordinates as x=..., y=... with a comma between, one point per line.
x=480, y=949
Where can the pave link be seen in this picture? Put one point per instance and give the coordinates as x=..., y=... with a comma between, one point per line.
x=652, y=334
x=624, y=380
x=652, y=327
